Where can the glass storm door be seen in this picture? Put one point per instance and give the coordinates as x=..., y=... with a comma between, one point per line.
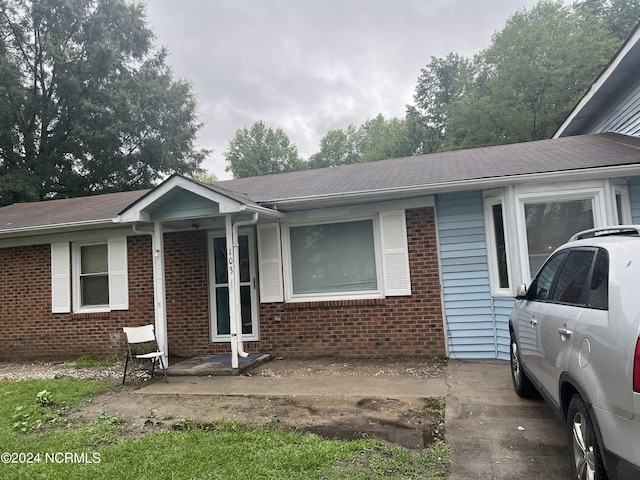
x=219, y=289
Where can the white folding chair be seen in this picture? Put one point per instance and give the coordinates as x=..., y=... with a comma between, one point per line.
x=139, y=335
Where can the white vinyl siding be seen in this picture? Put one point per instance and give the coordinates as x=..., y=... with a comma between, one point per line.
x=60, y=278
x=270, y=263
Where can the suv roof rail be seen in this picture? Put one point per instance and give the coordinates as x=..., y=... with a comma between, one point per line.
x=632, y=230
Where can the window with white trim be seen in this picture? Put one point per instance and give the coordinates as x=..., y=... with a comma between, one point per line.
x=93, y=277
x=622, y=204
x=365, y=257
x=497, y=245
x=98, y=272
x=549, y=215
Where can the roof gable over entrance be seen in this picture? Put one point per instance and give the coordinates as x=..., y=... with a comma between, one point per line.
x=179, y=198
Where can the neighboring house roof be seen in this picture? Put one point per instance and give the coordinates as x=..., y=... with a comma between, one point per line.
x=612, y=91
x=600, y=155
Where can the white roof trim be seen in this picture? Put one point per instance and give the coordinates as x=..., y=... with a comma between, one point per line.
x=136, y=211
x=461, y=185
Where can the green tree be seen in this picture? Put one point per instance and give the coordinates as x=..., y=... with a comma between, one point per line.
x=530, y=77
x=376, y=139
x=619, y=17
x=261, y=151
x=88, y=103
x=441, y=82
x=337, y=147
x=525, y=83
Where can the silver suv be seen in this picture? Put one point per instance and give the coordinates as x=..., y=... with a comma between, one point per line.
x=575, y=340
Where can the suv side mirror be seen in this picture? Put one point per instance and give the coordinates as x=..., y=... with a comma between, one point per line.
x=521, y=292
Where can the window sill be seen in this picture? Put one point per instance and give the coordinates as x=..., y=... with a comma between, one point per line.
x=301, y=305
x=92, y=314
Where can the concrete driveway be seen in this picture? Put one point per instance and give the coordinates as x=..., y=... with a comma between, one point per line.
x=494, y=433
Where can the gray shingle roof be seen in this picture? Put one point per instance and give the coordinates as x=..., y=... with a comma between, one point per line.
x=545, y=156
x=462, y=166
x=92, y=209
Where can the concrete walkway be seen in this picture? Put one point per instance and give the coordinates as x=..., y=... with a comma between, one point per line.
x=272, y=386
x=494, y=434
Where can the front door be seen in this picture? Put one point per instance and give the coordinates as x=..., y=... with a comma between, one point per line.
x=219, y=288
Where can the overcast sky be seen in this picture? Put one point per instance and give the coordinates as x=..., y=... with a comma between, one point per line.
x=310, y=66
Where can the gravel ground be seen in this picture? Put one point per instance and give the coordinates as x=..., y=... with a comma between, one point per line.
x=280, y=367
x=43, y=370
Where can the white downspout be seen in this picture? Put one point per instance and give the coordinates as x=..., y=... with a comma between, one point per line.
x=236, y=298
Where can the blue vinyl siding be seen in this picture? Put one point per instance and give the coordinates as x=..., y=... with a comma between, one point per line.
x=477, y=323
x=623, y=116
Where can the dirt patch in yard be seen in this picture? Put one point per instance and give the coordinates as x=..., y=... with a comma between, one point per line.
x=411, y=422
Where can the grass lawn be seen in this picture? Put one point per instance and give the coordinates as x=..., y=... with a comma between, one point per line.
x=40, y=441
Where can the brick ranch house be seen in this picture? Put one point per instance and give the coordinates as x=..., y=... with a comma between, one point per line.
x=417, y=256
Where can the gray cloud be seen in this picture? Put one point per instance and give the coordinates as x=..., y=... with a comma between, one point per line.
x=314, y=65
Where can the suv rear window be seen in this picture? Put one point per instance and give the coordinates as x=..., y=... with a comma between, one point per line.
x=574, y=277
x=599, y=287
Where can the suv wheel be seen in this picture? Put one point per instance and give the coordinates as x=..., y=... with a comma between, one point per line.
x=584, y=452
x=521, y=383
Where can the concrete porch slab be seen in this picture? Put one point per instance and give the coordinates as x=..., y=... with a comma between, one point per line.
x=216, y=365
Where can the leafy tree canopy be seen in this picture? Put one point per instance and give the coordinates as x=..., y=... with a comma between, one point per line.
x=529, y=78
x=88, y=105
x=261, y=150
x=376, y=139
x=520, y=88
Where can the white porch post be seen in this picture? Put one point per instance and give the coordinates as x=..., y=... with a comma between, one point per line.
x=159, y=292
x=231, y=280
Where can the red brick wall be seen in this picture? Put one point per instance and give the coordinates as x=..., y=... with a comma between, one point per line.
x=395, y=326
x=188, y=329
x=31, y=331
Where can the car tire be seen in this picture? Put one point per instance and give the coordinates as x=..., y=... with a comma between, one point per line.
x=521, y=383
x=584, y=451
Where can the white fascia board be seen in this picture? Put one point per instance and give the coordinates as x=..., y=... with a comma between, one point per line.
x=58, y=227
x=458, y=186
x=74, y=232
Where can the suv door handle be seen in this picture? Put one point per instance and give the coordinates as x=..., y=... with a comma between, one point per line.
x=565, y=332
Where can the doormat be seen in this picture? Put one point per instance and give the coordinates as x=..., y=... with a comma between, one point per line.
x=226, y=358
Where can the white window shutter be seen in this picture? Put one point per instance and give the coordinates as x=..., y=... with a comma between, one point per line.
x=118, y=275
x=395, y=253
x=60, y=278
x=270, y=263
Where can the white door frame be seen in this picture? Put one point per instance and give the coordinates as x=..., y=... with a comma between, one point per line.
x=251, y=283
